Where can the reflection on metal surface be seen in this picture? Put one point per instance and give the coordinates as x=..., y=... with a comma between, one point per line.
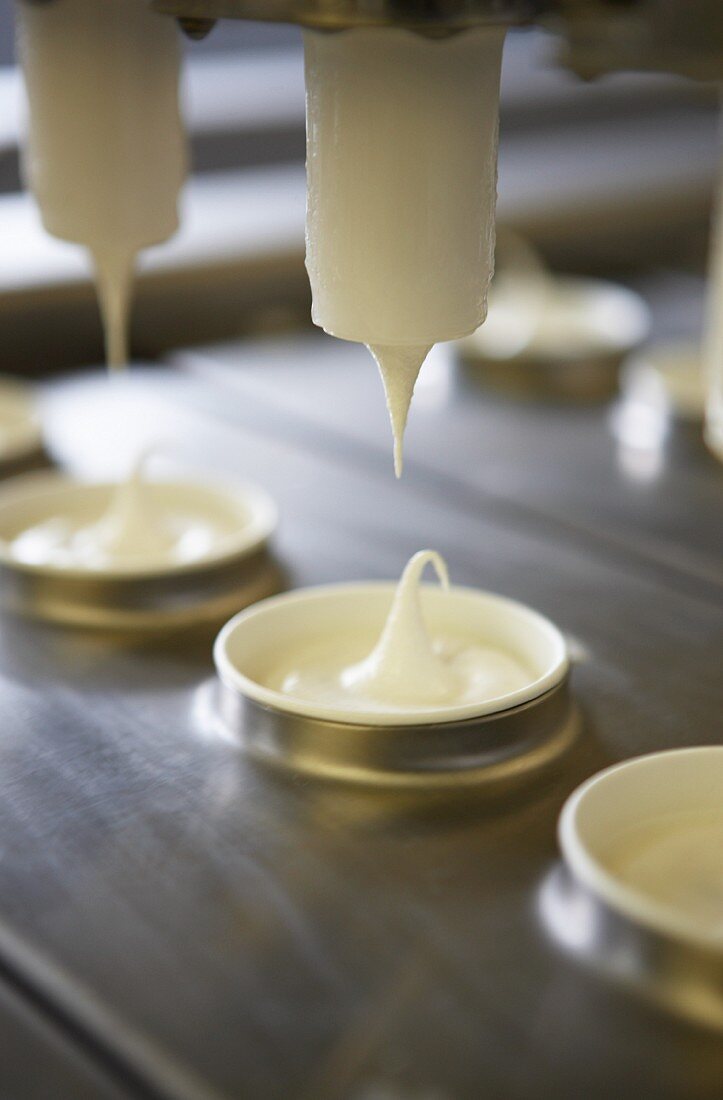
x=206, y=718
x=499, y=748
x=640, y=465
x=667, y=376
x=678, y=976
x=577, y=651
x=226, y=865
x=640, y=424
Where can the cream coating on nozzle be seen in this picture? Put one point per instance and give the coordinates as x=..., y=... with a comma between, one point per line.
x=106, y=152
x=401, y=187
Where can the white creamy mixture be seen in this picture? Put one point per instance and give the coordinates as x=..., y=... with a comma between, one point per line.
x=106, y=154
x=406, y=668
x=401, y=175
x=399, y=369
x=135, y=529
x=678, y=863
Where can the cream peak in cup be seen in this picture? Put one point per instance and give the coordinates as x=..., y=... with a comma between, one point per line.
x=408, y=667
x=391, y=655
x=132, y=525
x=136, y=526
x=106, y=154
x=401, y=176
x=139, y=555
x=404, y=665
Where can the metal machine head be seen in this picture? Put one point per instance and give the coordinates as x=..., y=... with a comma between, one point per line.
x=678, y=36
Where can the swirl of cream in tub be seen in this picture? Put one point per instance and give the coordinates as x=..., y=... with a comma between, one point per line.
x=406, y=668
x=135, y=529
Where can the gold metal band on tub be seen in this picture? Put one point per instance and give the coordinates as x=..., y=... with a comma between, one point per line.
x=205, y=594
x=678, y=975
x=504, y=746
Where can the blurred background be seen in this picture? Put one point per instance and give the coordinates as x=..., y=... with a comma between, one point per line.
x=611, y=177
